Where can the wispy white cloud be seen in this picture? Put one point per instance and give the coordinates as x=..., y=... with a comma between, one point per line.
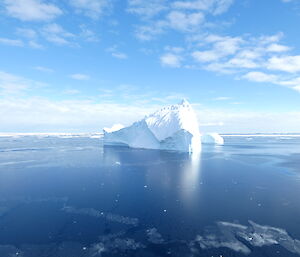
x=91, y=8
x=170, y=60
x=119, y=55
x=31, y=36
x=88, y=35
x=13, y=84
x=288, y=63
x=220, y=47
x=159, y=16
x=150, y=31
x=56, y=34
x=291, y=81
x=11, y=42
x=183, y=21
x=222, y=6
x=27, y=33
x=222, y=98
x=34, y=44
x=43, y=69
x=80, y=76
x=116, y=53
x=146, y=9
x=297, y=88
x=10, y=83
x=174, y=49
x=282, y=80
x=278, y=48
x=216, y=7
x=206, y=56
x=269, y=39
x=258, y=76
x=32, y=10
x=71, y=91
x=149, y=8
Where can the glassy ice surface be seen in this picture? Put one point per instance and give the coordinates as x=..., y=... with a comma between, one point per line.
x=69, y=197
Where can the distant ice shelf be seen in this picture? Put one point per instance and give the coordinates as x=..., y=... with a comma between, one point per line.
x=174, y=127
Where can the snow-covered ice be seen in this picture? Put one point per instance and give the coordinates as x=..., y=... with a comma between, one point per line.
x=174, y=127
x=212, y=138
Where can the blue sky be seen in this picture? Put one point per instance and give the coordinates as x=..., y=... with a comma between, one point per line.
x=79, y=65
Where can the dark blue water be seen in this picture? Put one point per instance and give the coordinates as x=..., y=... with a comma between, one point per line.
x=69, y=197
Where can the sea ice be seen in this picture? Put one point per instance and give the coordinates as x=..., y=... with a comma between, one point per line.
x=174, y=127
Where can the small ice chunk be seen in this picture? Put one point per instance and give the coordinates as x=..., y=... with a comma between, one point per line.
x=212, y=138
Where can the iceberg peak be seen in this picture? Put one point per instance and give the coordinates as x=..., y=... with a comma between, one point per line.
x=165, y=122
x=185, y=102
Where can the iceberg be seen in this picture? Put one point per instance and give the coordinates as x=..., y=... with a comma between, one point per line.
x=174, y=127
x=212, y=138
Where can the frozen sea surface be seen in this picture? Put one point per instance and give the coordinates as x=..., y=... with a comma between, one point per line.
x=71, y=197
